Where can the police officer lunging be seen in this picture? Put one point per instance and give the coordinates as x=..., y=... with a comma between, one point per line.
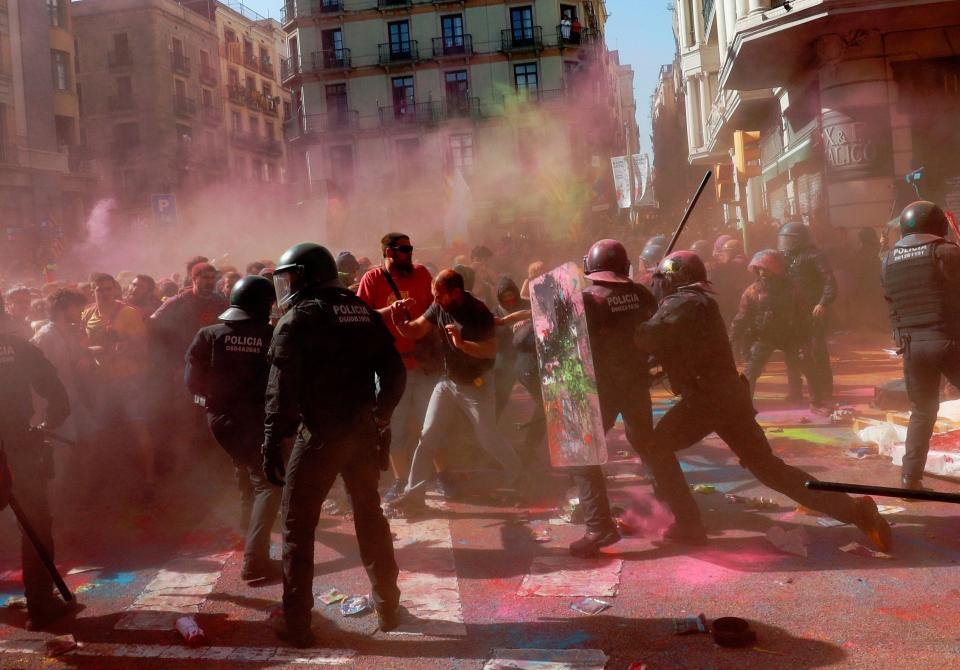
x=227, y=367
x=921, y=283
x=688, y=338
x=336, y=375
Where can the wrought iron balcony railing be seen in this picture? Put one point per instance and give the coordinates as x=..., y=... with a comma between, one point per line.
x=121, y=58
x=453, y=46
x=180, y=63
x=406, y=51
x=420, y=113
x=529, y=38
x=184, y=106
x=208, y=74
x=331, y=59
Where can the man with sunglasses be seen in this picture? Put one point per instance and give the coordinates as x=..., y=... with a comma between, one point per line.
x=400, y=280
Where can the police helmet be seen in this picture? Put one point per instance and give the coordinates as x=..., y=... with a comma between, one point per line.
x=252, y=297
x=923, y=217
x=302, y=265
x=793, y=236
x=653, y=250
x=770, y=260
x=682, y=268
x=607, y=261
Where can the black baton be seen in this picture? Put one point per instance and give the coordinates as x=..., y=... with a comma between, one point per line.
x=686, y=214
x=933, y=496
x=40, y=549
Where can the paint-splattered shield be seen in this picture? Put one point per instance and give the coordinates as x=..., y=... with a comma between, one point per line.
x=574, y=424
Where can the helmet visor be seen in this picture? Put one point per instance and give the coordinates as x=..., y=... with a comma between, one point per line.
x=283, y=283
x=788, y=243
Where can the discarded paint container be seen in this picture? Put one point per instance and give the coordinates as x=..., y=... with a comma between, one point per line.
x=732, y=631
x=190, y=631
x=690, y=624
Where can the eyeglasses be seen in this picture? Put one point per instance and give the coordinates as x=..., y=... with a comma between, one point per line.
x=406, y=248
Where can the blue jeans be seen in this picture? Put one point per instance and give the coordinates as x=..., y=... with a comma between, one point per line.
x=407, y=419
x=478, y=404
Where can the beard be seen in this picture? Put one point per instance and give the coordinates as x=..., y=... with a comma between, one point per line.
x=403, y=267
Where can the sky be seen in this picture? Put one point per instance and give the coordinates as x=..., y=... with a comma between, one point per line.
x=640, y=29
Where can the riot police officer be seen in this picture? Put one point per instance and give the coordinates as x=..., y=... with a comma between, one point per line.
x=615, y=307
x=688, y=338
x=336, y=375
x=227, y=371
x=812, y=277
x=24, y=370
x=649, y=258
x=921, y=283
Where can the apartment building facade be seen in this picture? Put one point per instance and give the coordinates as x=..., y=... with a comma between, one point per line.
x=407, y=99
x=846, y=98
x=44, y=182
x=162, y=93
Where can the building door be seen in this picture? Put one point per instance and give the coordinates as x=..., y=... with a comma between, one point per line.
x=404, y=104
x=452, y=31
x=521, y=24
x=399, y=39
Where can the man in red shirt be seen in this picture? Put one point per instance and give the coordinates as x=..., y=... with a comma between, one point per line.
x=400, y=279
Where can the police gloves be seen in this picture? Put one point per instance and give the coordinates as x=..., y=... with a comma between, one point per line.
x=273, y=468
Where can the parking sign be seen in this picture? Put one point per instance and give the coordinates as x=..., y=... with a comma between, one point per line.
x=165, y=209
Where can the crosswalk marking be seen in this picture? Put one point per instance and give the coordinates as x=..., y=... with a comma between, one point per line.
x=429, y=587
x=179, y=589
x=321, y=657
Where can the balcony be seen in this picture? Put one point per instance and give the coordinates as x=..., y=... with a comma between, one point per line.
x=118, y=59
x=184, y=106
x=208, y=74
x=541, y=96
x=393, y=4
x=462, y=107
x=180, y=64
x=341, y=121
x=567, y=37
x=289, y=68
x=237, y=95
x=456, y=46
x=266, y=67
x=120, y=103
x=421, y=113
x=332, y=59
x=258, y=143
x=251, y=61
x=521, y=39
x=398, y=53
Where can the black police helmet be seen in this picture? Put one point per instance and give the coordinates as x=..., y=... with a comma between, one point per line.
x=607, y=261
x=923, y=217
x=682, y=268
x=653, y=250
x=302, y=265
x=252, y=297
x=793, y=236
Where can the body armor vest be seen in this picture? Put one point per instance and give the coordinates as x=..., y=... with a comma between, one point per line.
x=919, y=299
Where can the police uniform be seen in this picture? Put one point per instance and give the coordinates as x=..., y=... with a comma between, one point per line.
x=329, y=356
x=921, y=282
x=812, y=277
x=614, y=311
x=766, y=321
x=227, y=366
x=24, y=371
x=688, y=338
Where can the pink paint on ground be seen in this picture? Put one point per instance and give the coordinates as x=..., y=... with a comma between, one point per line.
x=646, y=515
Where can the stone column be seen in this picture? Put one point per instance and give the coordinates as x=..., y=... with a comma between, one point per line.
x=855, y=130
x=682, y=19
x=730, y=14
x=758, y=5
x=720, y=19
x=692, y=104
x=706, y=103
x=698, y=24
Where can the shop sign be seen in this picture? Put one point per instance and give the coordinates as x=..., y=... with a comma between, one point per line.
x=856, y=146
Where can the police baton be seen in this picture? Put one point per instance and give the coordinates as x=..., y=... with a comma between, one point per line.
x=40, y=549
x=910, y=494
x=686, y=214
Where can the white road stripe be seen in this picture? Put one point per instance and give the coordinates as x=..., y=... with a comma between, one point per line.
x=547, y=659
x=179, y=589
x=235, y=654
x=429, y=588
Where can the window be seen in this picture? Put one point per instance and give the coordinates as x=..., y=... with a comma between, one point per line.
x=404, y=104
x=521, y=25
x=525, y=78
x=236, y=121
x=204, y=58
x=287, y=111
x=206, y=97
x=332, y=41
x=233, y=77
x=60, y=60
x=568, y=12
x=177, y=47
x=270, y=130
x=267, y=90
x=64, y=126
x=121, y=47
x=184, y=133
x=55, y=9
x=254, y=126
x=461, y=152
x=409, y=159
x=341, y=168
x=251, y=83
x=451, y=28
x=335, y=96
x=180, y=87
x=399, y=39
x=457, y=89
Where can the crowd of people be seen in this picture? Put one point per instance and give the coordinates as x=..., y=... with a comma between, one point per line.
x=362, y=368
